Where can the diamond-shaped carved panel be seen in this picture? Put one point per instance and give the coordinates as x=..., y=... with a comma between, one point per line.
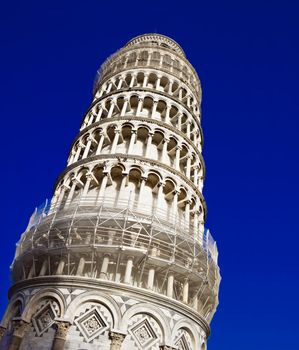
x=44, y=318
x=182, y=343
x=91, y=324
x=144, y=334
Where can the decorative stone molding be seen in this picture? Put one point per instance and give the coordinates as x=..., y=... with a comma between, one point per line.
x=158, y=38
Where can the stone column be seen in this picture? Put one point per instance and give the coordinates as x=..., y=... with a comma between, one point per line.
x=132, y=141
x=187, y=213
x=148, y=144
x=180, y=122
x=128, y=272
x=149, y=59
x=150, y=278
x=160, y=194
x=80, y=268
x=120, y=83
x=103, y=186
x=77, y=153
x=154, y=109
x=19, y=329
x=170, y=281
x=111, y=109
x=164, y=150
x=87, y=147
x=195, y=223
x=132, y=81
x=145, y=80
x=180, y=94
x=158, y=83
x=115, y=141
x=195, y=302
x=116, y=340
x=100, y=144
x=98, y=118
x=175, y=202
x=167, y=119
x=44, y=268
x=124, y=109
x=60, y=267
x=188, y=166
x=89, y=178
x=109, y=87
x=139, y=106
x=141, y=188
x=169, y=88
x=70, y=161
x=72, y=190
x=90, y=120
x=188, y=129
x=177, y=157
x=105, y=265
x=185, y=291
x=62, y=329
x=195, y=179
x=61, y=195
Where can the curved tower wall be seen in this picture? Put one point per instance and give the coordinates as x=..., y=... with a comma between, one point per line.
x=120, y=258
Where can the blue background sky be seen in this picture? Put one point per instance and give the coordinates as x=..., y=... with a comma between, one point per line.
x=246, y=54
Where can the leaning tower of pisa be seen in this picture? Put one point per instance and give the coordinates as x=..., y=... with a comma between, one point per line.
x=119, y=258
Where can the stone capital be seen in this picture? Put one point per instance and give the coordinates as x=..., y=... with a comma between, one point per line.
x=2, y=331
x=62, y=328
x=89, y=176
x=19, y=326
x=117, y=338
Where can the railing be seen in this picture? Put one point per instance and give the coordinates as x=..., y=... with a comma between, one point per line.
x=97, y=213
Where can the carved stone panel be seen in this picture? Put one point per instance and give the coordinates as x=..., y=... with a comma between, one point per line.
x=144, y=334
x=91, y=324
x=44, y=318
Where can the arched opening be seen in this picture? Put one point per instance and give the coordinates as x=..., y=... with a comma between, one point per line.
x=133, y=187
x=128, y=79
x=133, y=104
x=151, y=192
x=140, y=146
x=152, y=80
x=132, y=59
x=155, y=59
x=171, y=150
x=161, y=107
x=147, y=106
x=140, y=78
x=143, y=57
x=163, y=83
x=157, y=144
x=126, y=132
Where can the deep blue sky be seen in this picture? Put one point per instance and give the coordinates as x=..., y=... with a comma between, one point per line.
x=247, y=55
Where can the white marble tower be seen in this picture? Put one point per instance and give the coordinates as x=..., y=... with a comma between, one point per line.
x=120, y=258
